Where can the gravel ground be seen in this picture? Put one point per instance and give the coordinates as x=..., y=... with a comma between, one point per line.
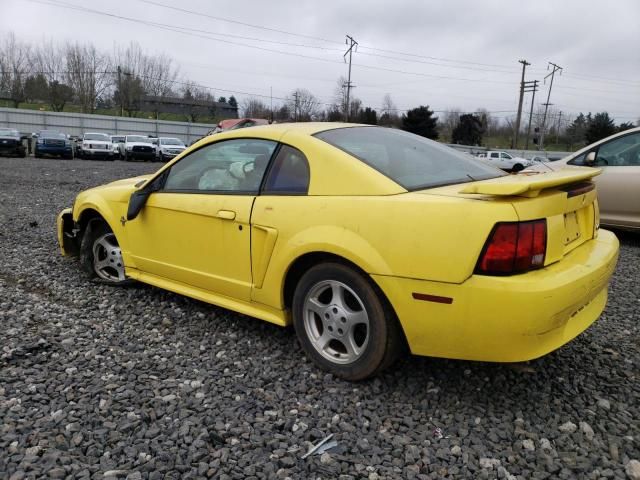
x=101, y=382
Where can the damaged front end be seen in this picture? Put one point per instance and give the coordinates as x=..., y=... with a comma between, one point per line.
x=68, y=233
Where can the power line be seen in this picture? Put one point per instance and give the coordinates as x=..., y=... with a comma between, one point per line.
x=237, y=22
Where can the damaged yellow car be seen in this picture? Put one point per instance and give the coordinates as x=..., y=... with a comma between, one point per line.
x=368, y=240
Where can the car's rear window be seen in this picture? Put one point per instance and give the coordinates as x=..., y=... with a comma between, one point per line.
x=412, y=161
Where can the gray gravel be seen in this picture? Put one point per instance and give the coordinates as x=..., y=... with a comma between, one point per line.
x=100, y=382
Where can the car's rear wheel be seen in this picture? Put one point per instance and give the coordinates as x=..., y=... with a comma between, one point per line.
x=517, y=167
x=343, y=324
x=100, y=254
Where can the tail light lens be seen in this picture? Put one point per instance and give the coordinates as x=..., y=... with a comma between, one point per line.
x=514, y=248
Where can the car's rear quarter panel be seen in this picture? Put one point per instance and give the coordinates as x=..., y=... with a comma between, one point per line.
x=407, y=235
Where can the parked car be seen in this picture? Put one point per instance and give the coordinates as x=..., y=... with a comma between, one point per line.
x=137, y=147
x=169, y=147
x=618, y=157
x=367, y=239
x=116, y=141
x=236, y=123
x=96, y=145
x=53, y=143
x=505, y=161
x=11, y=143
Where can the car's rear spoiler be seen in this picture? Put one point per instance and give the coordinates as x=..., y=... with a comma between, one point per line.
x=529, y=184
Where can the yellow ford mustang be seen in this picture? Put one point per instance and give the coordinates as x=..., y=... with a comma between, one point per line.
x=367, y=239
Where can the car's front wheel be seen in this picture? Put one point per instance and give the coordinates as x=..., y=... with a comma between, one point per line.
x=100, y=254
x=343, y=324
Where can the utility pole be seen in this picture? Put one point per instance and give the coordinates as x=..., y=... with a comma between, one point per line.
x=530, y=87
x=120, y=88
x=544, y=118
x=514, y=142
x=352, y=44
x=295, y=106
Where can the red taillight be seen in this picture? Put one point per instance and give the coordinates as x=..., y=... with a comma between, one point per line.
x=514, y=248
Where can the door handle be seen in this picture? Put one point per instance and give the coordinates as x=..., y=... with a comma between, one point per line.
x=226, y=214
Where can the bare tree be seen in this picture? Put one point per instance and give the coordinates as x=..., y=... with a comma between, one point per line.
x=88, y=73
x=340, y=97
x=153, y=75
x=49, y=62
x=254, y=108
x=449, y=120
x=489, y=122
x=389, y=116
x=303, y=104
x=15, y=67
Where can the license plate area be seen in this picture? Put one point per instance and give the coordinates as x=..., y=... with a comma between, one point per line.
x=571, y=227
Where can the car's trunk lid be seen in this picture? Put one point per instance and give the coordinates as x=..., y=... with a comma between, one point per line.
x=566, y=199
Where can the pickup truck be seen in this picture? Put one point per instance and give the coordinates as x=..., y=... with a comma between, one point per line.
x=505, y=161
x=137, y=147
x=95, y=145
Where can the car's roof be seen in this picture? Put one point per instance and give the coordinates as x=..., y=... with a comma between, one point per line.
x=95, y=133
x=308, y=128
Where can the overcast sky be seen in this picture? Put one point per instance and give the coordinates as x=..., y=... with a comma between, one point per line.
x=462, y=54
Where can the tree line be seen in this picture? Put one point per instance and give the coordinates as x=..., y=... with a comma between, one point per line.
x=92, y=79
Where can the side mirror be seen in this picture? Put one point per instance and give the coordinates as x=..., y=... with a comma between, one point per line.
x=139, y=198
x=590, y=159
x=136, y=202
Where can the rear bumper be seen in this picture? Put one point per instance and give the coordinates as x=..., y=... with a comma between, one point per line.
x=507, y=319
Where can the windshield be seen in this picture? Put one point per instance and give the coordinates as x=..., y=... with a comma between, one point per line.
x=8, y=132
x=51, y=134
x=411, y=161
x=171, y=141
x=138, y=138
x=97, y=136
x=117, y=139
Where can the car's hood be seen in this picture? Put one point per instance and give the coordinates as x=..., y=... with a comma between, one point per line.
x=3, y=137
x=138, y=144
x=97, y=142
x=173, y=147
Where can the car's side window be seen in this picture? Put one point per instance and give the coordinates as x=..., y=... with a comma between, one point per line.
x=289, y=174
x=620, y=152
x=233, y=166
x=579, y=160
x=495, y=155
x=506, y=155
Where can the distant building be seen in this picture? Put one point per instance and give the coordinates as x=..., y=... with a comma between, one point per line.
x=187, y=107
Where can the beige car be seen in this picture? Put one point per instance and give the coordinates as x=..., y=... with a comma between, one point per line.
x=619, y=184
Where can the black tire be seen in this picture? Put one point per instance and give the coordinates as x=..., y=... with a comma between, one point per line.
x=126, y=157
x=518, y=167
x=161, y=158
x=385, y=339
x=96, y=229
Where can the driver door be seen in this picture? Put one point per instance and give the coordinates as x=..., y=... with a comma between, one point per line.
x=195, y=230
